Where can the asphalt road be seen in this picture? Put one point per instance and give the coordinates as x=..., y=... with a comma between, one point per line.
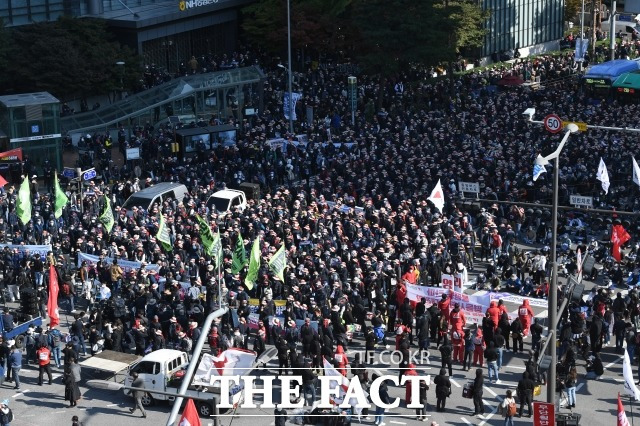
x=596, y=400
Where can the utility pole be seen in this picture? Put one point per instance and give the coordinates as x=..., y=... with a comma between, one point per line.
x=612, y=30
x=290, y=74
x=580, y=64
x=593, y=31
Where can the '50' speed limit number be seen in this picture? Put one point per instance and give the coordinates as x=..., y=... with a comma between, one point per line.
x=553, y=123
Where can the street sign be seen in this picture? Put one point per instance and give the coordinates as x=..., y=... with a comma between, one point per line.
x=543, y=414
x=68, y=173
x=133, y=153
x=553, y=123
x=581, y=201
x=469, y=187
x=89, y=174
x=581, y=126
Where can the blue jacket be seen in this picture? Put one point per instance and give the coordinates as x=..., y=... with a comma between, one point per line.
x=15, y=359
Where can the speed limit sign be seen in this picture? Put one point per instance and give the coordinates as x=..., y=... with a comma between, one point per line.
x=552, y=123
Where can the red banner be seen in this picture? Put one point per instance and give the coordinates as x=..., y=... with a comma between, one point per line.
x=12, y=155
x=622, y=416
x=619, y=236
x=52, y=305
x=543, y=414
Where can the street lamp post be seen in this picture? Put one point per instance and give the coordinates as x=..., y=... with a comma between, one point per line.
x=120, y=65
x=553, y=288
x=290, y=74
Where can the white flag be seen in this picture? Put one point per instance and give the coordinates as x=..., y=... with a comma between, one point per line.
x=630, y=387
x=437, y=196
x=232, y=362
x=636, y=172
x=537, y=171
x=579, y=262
x=603, y=176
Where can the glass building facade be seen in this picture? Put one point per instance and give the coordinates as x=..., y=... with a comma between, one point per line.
x=515, y=24
x=31, y=121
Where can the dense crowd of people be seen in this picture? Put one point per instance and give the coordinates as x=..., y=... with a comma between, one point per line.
x=347, y=268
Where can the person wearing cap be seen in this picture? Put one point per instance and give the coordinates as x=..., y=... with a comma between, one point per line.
x=116, y=274
x=158, y=341
x=6, y=415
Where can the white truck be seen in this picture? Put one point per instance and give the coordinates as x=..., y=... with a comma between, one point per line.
x=227, y=200
x=162, y=371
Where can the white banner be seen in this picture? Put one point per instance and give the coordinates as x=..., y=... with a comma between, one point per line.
x=126, y=265
x=285, y=107
x=514, y=298
x=630, y=387
x=26, y=250
x=474, y=307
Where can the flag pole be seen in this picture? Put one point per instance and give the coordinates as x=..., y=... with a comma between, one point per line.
x=631, y=407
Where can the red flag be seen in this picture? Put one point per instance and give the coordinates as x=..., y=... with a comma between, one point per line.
x=3, y=181
x=622, y=416
x=52, y=305
x=618, y=237
x=190, y=415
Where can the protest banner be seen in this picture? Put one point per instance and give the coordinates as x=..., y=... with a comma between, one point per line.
x=126, y=265
x=29, y=250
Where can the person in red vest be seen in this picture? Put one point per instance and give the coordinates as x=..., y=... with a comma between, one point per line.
x=525, y=313
x=502, y=307
x=443, y=305
x=411, y=276
x=458, y=321
x=494, y=313
x=44, y=363
x=411, y=371
x=458, y=345
x=343, y=361
x=478, y=352
x=401, y=293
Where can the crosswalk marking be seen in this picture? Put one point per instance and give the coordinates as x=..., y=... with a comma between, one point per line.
x=465, y=420
x=456, y=384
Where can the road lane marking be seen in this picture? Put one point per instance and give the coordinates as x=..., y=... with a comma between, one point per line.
x=465, y=420
x=580, y=385
x=456, y=384
x=491, y=391
x=112, y=405
x=543, y=314
x=397, y=423
x=59, y=412
x=613, y=362
x=21, y=393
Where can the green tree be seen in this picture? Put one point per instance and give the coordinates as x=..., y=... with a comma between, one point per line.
x=69, y=58
x=397, y=33
x=315, y=24
x=571, y=9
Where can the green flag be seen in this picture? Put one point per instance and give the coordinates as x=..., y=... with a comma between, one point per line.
x=163, y=234
x=239, y=258
x=254, y=264
x=106, y=218
x=206, y=235
x=278, y=262
x=23, y=205
x=61, y=198
x=216, y=249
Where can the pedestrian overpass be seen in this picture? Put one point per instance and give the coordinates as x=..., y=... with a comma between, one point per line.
x=235, y=92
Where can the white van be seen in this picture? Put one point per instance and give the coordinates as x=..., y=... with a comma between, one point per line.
x=227, y=200
x=155, y=194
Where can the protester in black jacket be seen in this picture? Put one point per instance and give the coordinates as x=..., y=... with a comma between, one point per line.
x=478, y=384
x=443, y=389
x=446, y=351
x=525, y=392
x=516, y=335
x=422, y=327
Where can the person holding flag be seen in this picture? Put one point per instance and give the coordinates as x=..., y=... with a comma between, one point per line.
x=278, y=263
x=254, y=264
x=619, y=236
x=163, y=234
x=603, y=176
x=61, y=198
x=239, y=258
x=23, y=203
x=106, y=217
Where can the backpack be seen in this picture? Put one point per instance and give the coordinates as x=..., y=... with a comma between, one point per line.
x=66, y=290
x=511, y=409
x=496, y=240
x=5, y=419
x=56, y=338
